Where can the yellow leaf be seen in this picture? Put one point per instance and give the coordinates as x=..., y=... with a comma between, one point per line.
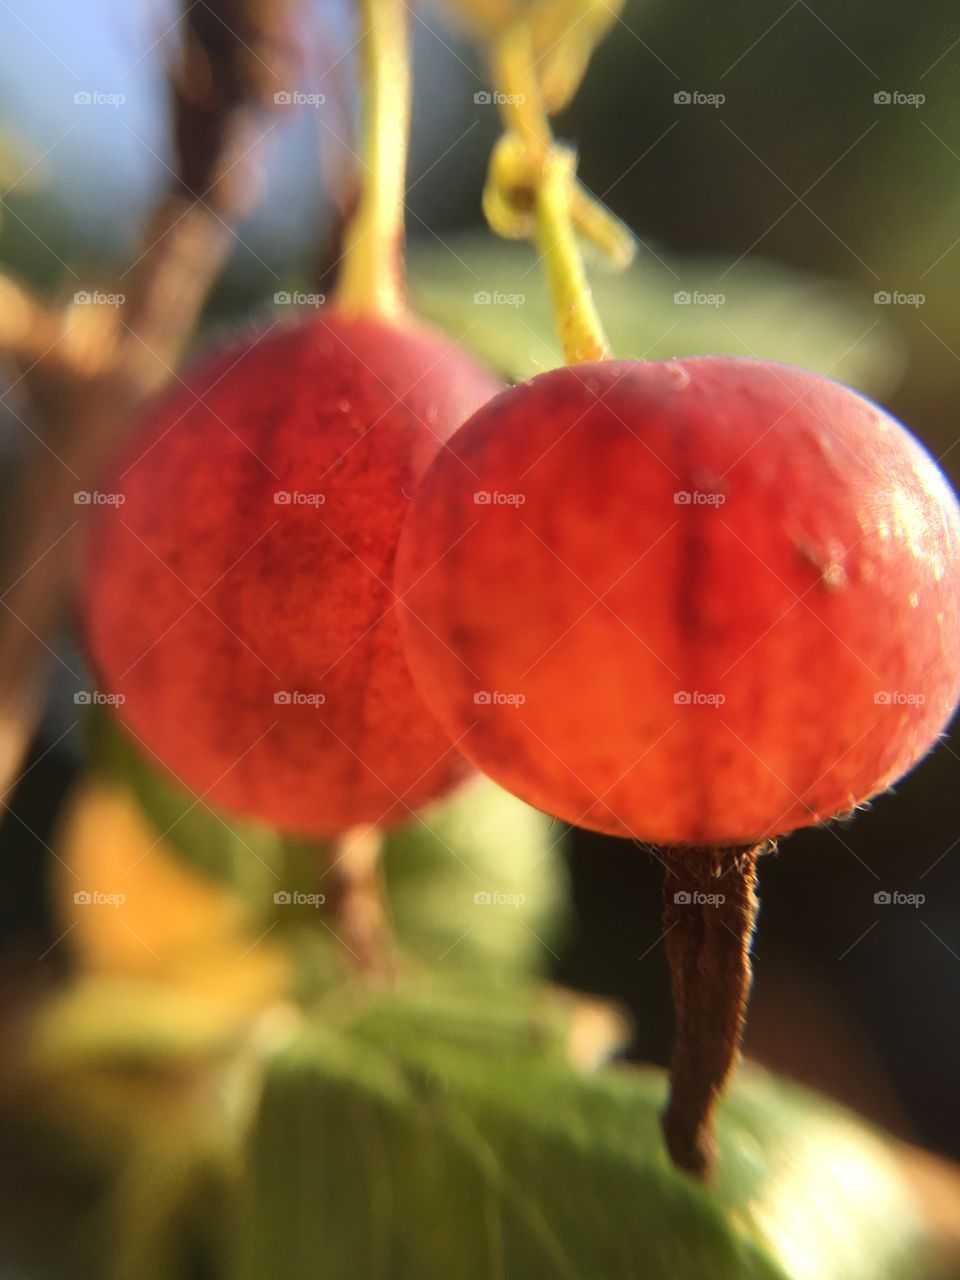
x=132, y=906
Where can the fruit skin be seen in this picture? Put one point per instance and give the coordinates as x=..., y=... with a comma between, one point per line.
x=816, y=592
x=216, y=587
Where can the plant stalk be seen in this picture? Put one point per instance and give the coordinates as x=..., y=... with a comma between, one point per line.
x=371, y=277
x=709, y=913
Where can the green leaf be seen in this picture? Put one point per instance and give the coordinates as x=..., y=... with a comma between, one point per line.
x=484, y=1012
x=477, y=880
x=395, y=1156
x=493, y=294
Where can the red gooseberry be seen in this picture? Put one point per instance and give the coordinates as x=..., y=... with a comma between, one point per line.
x=237, y=595
x=694, y=602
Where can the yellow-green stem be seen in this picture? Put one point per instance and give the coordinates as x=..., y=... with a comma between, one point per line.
x=371, y=277
x=515, y=76
x=529, y=159
x=578, y=322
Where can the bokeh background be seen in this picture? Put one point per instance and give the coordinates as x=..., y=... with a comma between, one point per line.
x=836, y=152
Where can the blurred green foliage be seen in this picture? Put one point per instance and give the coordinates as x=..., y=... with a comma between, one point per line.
x=492, y=296
x=476, y=879
x=503, y=1162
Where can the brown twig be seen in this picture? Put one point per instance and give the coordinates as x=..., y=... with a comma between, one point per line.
x=709, y=912
x=87, y=367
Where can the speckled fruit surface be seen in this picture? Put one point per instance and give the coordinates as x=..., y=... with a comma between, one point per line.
x=697, y=601
x=237, y=581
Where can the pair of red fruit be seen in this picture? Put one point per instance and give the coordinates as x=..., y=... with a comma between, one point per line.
x=697, y=602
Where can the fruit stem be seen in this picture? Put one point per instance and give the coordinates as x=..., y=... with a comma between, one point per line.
x=531, y=174
x=519, y=75
x=371, y=278
x=358, y=899
x=577, y=319
x=514, y=72
x=709, y=913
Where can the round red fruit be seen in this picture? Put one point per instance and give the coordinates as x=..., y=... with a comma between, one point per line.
x=237, y=587
x=701, y=601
